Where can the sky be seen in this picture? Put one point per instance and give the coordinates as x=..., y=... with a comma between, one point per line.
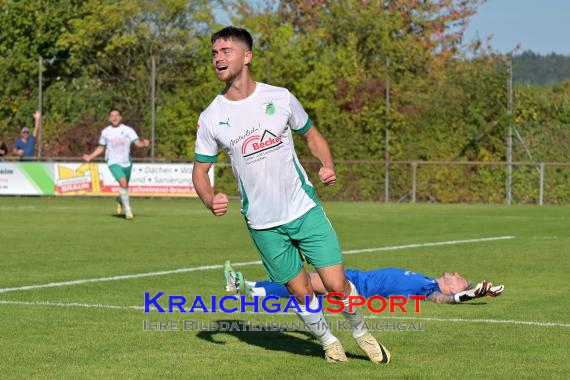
x=542, y=26
x=539, y=25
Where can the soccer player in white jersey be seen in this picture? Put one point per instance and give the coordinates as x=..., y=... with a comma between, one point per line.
x=253, y=123
x=115, y=141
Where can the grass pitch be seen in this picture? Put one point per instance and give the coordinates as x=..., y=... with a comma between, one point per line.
x=91, y=330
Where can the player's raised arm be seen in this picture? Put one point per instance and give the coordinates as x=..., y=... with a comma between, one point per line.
x=217, y=203
x=321, y=150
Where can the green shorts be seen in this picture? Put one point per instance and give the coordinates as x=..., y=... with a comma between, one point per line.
x=121, y=172
x=282, y=247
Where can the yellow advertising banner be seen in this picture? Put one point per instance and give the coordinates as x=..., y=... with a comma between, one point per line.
x=172, y=180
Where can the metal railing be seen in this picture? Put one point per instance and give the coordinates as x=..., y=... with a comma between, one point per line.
x=540, y=167
x=426, y=181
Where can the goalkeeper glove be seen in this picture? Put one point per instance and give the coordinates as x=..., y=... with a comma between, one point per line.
x=480, y=290
x=495, y=291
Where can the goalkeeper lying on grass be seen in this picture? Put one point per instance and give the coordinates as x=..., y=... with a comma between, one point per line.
x=449, y=288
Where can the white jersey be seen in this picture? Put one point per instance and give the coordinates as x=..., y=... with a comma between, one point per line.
x=255, y=133
x=117, y=142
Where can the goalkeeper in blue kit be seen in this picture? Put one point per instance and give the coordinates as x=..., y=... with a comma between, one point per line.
x=449, y=288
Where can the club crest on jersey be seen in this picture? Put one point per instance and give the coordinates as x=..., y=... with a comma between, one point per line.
x=256, y=144
x=269, y=107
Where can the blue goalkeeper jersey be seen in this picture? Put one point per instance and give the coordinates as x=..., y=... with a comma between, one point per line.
x=391, y=282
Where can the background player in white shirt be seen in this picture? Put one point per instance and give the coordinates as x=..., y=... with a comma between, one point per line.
x=115, y=141
x=252, y=123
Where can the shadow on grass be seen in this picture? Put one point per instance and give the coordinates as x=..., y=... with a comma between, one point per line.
x=122, y=216
x=294, y=342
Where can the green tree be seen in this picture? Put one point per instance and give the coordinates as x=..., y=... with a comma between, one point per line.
x=30, y=29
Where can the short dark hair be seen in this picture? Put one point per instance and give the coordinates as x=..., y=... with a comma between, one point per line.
x=115, y=109
x=234, y=33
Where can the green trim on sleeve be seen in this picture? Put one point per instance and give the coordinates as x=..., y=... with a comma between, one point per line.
x=305, y=128
x=204, y=158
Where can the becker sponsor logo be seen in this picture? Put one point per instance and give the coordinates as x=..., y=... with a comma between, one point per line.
x=257, y=144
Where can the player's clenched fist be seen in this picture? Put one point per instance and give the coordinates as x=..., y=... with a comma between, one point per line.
x=327, y=175
x=220, y=204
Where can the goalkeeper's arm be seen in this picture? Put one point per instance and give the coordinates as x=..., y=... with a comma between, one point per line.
x=484, y=289
x=440, y=298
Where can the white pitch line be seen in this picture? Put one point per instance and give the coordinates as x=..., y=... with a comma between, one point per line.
x=422, y=245
x=123, y=277
x=258, y=262
x=71, y=304
x=141, y=308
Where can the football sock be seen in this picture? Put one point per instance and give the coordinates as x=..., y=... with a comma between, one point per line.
x=260, y=292
x=124, y=194
x=273, y=289
x=356, y=318
x=316, y=323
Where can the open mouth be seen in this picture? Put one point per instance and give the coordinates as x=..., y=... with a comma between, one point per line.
x=221, y=68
